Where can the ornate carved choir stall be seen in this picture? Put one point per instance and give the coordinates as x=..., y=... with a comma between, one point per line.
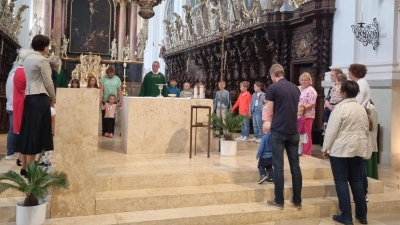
x=253, y=35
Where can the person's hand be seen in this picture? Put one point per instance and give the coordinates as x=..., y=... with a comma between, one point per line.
x=120, y=104
x=266, y=130
x=331, y=107
x=257, y=158
x=249, y=114
x=52, y=103
x=325, y=155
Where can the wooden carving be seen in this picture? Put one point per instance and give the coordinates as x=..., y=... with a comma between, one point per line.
x=301, y=45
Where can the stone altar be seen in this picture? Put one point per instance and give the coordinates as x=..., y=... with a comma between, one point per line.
x=161, y=125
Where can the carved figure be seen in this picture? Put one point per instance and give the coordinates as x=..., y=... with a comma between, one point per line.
x=113, y=49
x=214, y=17
x=36, y=29
x=64, y=46
x=76, y=72
x=162, y=49
x=103, y=70
x=141, y=44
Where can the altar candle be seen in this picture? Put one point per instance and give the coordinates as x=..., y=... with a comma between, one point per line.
x=195, y=92
x=202, y=92
x=361, y=17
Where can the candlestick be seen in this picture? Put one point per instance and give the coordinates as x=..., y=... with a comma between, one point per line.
x=201, y=91
x=124, y=92
x=195, y=92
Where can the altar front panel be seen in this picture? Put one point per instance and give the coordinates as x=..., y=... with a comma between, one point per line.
x=161, y=125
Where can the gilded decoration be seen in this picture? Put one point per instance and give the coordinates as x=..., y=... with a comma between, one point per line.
x=297, y=3
x=250, y=9
x=302, y=45
x=10, y=20
x=224, y=12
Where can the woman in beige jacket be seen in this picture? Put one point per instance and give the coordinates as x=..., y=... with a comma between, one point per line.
x=36, y=132
x=346, y=144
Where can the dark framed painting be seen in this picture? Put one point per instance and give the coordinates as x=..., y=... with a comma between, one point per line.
x=90, y=26
x=249, y=5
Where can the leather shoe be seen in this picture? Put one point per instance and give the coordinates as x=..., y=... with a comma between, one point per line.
x=339, y=219
x=362, y=221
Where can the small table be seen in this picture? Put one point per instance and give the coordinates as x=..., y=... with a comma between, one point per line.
x=196, y=125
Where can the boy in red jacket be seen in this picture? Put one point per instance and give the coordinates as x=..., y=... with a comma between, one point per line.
x=243, y=102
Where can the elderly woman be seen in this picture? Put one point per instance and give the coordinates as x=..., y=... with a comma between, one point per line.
x=109, y=84
x=308, y=98
x=346, y=144
x=36, y=132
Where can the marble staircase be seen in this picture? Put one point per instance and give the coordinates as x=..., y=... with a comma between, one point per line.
x=173, y=189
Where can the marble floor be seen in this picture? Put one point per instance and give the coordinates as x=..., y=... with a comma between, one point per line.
x=112, y=162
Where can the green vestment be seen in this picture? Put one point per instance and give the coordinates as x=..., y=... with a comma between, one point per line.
x=61, y=80
x=149, y=87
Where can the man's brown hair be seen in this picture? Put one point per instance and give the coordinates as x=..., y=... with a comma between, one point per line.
x=277, y=70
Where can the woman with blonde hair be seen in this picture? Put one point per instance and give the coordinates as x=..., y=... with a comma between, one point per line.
x=308, y=98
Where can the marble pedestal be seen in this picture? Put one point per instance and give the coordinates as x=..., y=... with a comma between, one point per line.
x=161, y=125
x=75, y=150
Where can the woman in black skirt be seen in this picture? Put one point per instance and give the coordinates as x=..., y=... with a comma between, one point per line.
x=36, y=132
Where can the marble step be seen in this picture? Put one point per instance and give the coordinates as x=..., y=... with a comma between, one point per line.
x=220, y=194
x=179, y=178
x=8, y=208
x=240, y=214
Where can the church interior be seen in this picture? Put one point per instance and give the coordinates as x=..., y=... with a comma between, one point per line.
x=164, y=164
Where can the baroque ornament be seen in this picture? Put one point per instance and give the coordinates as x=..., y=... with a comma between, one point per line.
x=250, y=12
x=146, y=7
x=301, y=45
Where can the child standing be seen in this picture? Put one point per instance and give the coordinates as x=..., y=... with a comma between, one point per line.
x=334, y=97
x=301, y=123
x=222, y=104
x=75, y=83
x=92, y=83
x=255, y=111
x=186, y=93
x=109, y=117
x=172, y=89
x=243, y=102
x=264, y=157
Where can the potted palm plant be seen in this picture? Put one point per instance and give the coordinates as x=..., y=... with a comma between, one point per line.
x=227, y=126
x=32, y=210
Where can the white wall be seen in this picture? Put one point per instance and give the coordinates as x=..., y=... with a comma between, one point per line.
x=382, y=64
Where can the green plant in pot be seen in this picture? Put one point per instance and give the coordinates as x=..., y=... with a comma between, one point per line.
x=227, y=126
x=35, y=187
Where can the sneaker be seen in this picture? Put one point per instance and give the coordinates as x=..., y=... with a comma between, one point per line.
x=258, y=140
x=275, y=205
x=252, y=139
x=239, y=138
x=12, y=157
x=271, y=180
x=262, y=179
x=296, y=205
x=18, y=162
x=244, y=139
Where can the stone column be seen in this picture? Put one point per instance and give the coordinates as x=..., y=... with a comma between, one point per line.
x=47, y=18
x=121, y=27
x=57, y=22
x=133, y=31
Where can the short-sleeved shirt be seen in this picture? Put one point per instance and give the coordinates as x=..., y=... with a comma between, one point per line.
x=285, y=96
x=110, y=87
x=308, y=96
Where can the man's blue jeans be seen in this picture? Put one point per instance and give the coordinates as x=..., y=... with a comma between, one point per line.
x=348, y=170
x=290, y=142
x=257, y=122
x=11, y=138
x=246, y=127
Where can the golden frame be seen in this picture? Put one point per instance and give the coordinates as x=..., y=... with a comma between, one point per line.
x=252, y=14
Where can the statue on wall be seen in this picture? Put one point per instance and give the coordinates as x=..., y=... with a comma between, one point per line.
x=214, y=16
x=126, y=50
x=114, y=49
x=141, y=44
x=103, y=70
x=64, y=46
x=162, y=49
x=36, y=29
x=75, y=74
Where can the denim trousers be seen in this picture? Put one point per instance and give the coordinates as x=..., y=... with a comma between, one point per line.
x=246, y=127
x=348, y=170
x=364, y=178
x=257, y=122
x=290, y=142
x=264, y=166
x=11, y=137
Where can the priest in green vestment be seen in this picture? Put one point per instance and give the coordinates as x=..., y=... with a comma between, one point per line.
x=149, y=87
